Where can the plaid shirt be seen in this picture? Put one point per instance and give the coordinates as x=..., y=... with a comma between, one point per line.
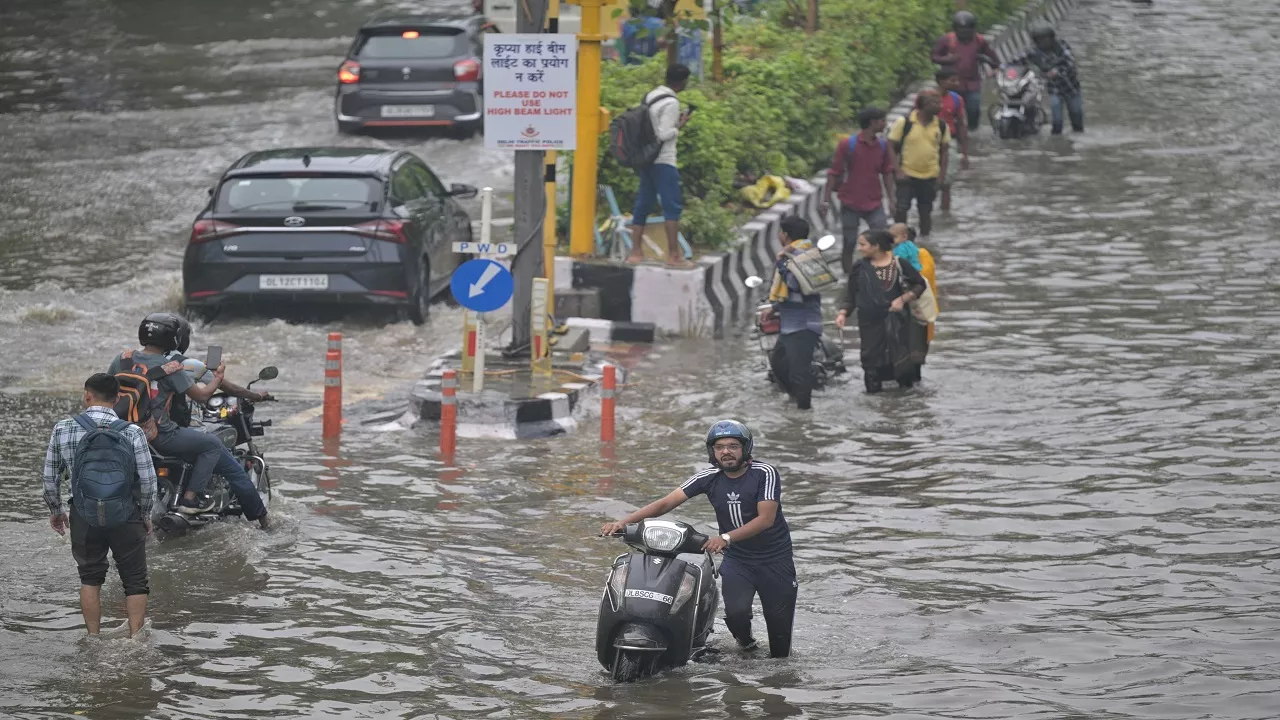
x=1067, y=81
x=62, y=452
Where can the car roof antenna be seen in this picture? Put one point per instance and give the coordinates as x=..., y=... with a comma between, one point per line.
x=306, y=160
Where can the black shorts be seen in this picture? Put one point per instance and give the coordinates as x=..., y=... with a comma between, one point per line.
x=922, y=190
x=128, y=546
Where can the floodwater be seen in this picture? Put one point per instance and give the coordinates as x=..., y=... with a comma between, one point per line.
x=1075, y=517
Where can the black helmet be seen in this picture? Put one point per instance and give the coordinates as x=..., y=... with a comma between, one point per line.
x=184, y=335
x=162, y=330
x=1043, y=29
x=964, y=20
x=729, y=429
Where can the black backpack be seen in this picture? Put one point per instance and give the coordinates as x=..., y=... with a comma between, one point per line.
x=632, y=141
x=102, y=474
x=906, y=130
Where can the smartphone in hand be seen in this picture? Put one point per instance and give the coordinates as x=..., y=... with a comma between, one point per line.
x=214, y=358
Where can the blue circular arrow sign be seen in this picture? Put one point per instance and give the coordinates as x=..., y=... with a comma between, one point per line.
x=482, y=285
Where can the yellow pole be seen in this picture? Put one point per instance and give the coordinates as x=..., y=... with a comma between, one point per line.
x=549, y=177
x=586, y=157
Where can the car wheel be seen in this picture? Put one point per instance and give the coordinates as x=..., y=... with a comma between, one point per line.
x=201, y=314
x=420, y=301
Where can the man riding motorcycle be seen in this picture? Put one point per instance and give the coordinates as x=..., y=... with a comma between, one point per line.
x=161, y=334
x=205, y=378
x=1053, y=59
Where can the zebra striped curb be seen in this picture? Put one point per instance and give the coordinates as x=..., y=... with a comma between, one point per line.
x=496, y=417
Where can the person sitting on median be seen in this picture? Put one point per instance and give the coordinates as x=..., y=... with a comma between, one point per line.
x=661, y=180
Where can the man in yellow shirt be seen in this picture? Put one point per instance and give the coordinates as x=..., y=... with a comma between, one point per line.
x=921, y=140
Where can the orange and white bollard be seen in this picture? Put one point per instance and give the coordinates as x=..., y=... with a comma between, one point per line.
x=448, y=415
x=607, y=403
x=335, y=345
x=332, y=394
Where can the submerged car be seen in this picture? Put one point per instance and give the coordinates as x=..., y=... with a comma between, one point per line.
x=413, y=70
x=338, y=226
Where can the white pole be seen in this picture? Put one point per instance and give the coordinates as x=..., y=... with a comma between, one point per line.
x=486, y=230
x=477, y=383
x=486, y=215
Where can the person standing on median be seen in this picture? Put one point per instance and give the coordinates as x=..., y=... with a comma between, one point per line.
x=661, y=180
x=861, y=166
x=967, y=51
x=922, y=142
x=113, y=489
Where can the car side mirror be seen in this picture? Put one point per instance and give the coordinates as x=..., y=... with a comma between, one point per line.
x=466, y=192
x=826, y=242
x=753, y=281
x=270, y=372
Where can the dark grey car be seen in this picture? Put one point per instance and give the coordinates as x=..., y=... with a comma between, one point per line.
x=336, y=226
x=413, y=71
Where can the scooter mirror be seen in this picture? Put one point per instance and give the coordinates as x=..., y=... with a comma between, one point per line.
x=270, y=372
x=753, y=281
x=826, y=242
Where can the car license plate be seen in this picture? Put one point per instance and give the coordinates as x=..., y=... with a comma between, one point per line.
x=293, y=282
x=409, y=111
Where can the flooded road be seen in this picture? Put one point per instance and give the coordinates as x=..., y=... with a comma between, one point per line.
x=1075, y=517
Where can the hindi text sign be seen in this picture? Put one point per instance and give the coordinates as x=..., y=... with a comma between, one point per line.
x=530, y=91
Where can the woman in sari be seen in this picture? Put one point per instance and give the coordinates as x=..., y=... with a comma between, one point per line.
x=880, y=288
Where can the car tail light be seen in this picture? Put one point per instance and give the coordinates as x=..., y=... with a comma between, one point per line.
x=206, y=230
x=349, y=72
x=410, y=35
x=390, y=230
x=466, y=70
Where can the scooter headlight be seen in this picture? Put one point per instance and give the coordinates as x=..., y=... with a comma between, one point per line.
x=618, y=582
x=687, y=584
x=663, y=537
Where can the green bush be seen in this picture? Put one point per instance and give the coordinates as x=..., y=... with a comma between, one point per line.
x=786, y=96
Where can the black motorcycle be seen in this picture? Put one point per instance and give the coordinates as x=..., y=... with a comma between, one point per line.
x=659, y=603
x=230, y=419
x=828, y=355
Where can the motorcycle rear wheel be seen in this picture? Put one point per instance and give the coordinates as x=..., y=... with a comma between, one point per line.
x=1007, y=129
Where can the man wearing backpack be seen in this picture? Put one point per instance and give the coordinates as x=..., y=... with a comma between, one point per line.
x=953, y=114
x=861, y=166
x=161, y=334
x=660, y=179
x=113, y=488
x=799, y=314
x=967, y=51
x=922, y=141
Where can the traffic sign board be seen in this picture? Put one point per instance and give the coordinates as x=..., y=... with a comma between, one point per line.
x=482, y=285
x=485, y=248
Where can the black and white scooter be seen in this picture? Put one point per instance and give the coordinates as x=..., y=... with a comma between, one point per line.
x=659, y=603
x=230, y=419
x=828, y=356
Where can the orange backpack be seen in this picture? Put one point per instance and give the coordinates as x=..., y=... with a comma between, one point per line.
x=134, y=403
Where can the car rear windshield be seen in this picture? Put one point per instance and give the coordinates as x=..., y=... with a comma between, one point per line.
x=414, y=44
x=296, y=194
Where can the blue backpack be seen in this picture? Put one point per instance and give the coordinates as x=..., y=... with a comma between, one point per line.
x=103, y=475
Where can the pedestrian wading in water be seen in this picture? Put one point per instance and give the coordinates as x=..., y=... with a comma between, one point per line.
x=880, y=288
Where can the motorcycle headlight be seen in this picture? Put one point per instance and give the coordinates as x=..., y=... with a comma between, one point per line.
x=687, y=584
x=663, y=537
